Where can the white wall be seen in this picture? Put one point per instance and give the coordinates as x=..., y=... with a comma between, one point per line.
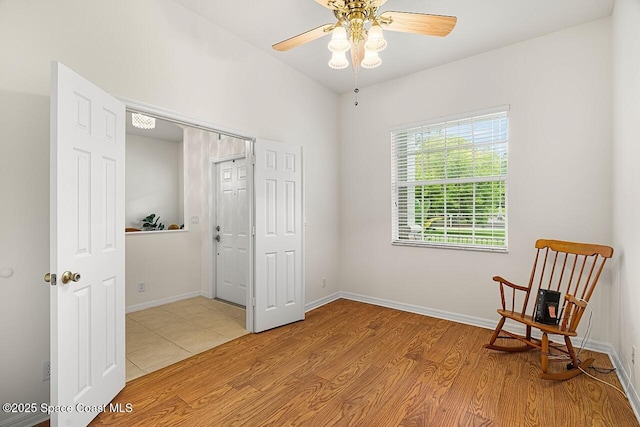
x=24, y=247
x=156, y=52
x=559, y=182
x=152, y=180
x=167, y=262
x=626, y=175
x=171, y=263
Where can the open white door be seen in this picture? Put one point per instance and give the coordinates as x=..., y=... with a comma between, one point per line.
x=279, y=284
x=87, y=247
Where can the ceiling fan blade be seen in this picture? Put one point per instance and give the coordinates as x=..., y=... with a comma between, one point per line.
x=419, y=23
x=303, y=38
x=357, y=53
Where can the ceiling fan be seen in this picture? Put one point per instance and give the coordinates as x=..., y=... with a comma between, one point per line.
x=359, y=29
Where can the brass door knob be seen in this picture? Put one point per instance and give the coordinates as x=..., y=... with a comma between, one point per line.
x=68, y=276
x=47, y=277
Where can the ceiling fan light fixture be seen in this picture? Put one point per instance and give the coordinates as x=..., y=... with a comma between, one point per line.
x=338, y=61
x=339, y=41
x=142, y=122
x=371, y=59
x=375, y=39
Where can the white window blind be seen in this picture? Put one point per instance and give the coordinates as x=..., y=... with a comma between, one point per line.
x=449, y=183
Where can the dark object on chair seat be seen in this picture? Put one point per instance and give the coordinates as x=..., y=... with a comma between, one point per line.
x=547, y=307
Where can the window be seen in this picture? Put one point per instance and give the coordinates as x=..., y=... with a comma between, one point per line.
x=449, y=183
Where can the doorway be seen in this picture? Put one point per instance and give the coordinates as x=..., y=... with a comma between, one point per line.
x=171, y=311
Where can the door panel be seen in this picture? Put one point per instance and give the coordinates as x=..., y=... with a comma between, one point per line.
x=279, y=283
x=87, y=237
x=233, y=217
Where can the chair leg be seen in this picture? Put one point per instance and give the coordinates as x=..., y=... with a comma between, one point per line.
x=544, y=354
x=571, y=351
x=496, y=332
x=511, y=349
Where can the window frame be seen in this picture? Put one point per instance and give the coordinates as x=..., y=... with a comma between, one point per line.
x=397, y=183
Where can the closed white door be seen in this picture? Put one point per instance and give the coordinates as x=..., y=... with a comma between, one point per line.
x=87, y=247
x=279, y=284
x=232, y=234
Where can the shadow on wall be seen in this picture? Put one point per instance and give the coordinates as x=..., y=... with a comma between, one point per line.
x=24, y=247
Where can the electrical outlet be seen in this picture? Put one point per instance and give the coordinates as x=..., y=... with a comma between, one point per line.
x=141, y=287
x=324, y=282
x=633, y=354
x=46, y=370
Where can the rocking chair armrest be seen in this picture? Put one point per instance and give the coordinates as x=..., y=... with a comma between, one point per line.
x=573, y=311
x=505, y=302
x=508, y=283
x=574, y=301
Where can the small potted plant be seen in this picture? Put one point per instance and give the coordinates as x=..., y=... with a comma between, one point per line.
x=151, y=223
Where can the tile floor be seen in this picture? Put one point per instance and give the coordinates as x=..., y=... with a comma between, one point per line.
x=160, y=336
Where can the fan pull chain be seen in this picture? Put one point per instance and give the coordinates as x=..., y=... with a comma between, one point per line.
x=356, y=90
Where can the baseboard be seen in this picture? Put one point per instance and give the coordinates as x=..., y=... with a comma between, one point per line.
x=625, y=380
x=431, y=312
x=162, y=301
x=24, y=420
x=322, y=301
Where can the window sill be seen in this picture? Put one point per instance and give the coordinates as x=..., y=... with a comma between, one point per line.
x=140, y=232
x=418, y=244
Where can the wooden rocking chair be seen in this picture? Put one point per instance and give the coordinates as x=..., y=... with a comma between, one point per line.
x=573, y=269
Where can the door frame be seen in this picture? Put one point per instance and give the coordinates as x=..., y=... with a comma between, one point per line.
x=173, y=116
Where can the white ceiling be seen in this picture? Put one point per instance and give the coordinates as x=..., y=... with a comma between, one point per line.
x=482, y=25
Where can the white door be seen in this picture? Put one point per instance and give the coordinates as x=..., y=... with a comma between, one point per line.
x=232, y=262
x=87, y=239
x=279, y=285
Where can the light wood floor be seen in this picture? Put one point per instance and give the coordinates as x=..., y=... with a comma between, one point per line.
x=350, y=363
x=161, y=336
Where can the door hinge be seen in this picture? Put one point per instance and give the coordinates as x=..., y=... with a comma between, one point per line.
x=253, y=302
x=253, y=230
x=253, y=159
